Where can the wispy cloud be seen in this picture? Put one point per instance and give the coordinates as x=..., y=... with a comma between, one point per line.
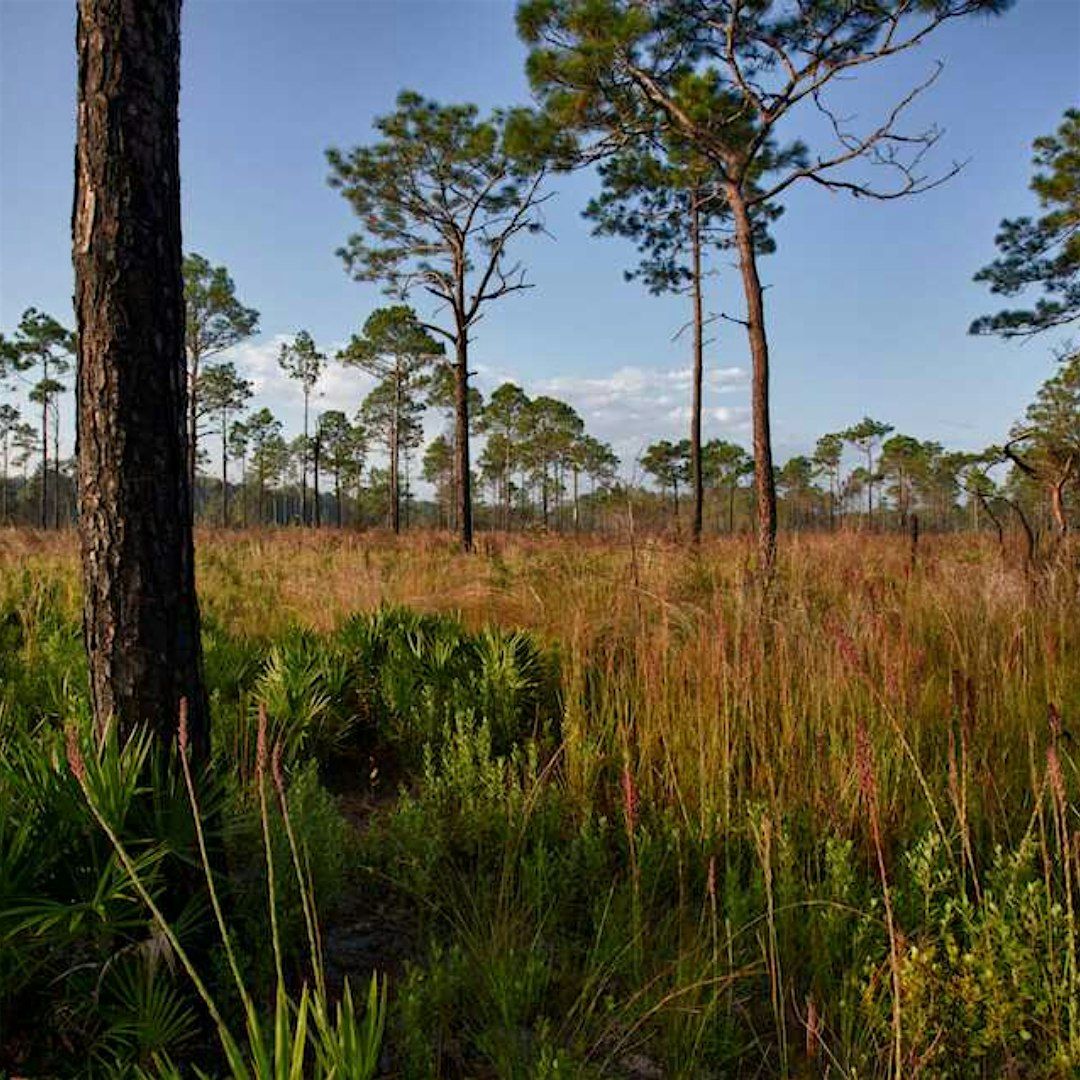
x=634, y=406
x=340, y=387
x=629, y=408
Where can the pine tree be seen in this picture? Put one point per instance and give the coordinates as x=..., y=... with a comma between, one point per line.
x=141, y=614
x=441, y=197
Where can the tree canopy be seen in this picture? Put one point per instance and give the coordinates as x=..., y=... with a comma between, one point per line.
x=1041, y=255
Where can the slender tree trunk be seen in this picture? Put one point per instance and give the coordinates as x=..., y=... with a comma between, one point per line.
x=461, y=413
x=994, y=520
x=764, y=482
x=337, y=496
x=395, y=420
x=43, y=504
x=869, y=490
x=303, y=465
x=1057, y=505
x=316, y=453
x=1030, y=540
x=56, y=467
x=577, y=508
x=699, y=365
x=224, y=470
x=507, y=472
x=141, y=616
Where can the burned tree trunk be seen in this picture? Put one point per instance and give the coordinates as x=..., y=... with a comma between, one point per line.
x=140, y=615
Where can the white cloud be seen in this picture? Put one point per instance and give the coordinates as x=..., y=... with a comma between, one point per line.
x=655, y=386
x=635, y=406
x=339, y=388
x=629, y=408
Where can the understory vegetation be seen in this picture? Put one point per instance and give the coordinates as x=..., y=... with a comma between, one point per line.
x=582, y=810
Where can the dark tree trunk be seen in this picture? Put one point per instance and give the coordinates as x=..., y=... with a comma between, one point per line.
x=224, y=471
x=191, y=374
x=303, y=466
x=995, y=521
x=697, y=480
x=56, y=467
x=43, y=507
x=506, y=486
x=141, y=617
x=461, y=413
x=764, y=482
x=316, y=448
x=395, y=457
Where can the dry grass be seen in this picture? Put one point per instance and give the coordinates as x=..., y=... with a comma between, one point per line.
x=718, y=694
x=916, y=715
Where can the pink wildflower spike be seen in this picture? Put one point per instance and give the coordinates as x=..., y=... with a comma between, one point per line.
x=182, y=728
x=1054, y=775
x=260, y=743
x=847, y=648
x=864, y=762
x=74, y=754
x=1053, y=718
x=630, y=798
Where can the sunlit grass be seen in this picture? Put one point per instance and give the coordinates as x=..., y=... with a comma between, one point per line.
x=833, y=821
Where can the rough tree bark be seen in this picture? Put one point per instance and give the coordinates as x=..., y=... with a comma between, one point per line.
x=461, y=411
x=697, y=477
x=764, y=482
x=140, y=613
x=193, y=358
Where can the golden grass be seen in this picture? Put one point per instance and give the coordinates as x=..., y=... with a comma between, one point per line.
x=716, y=694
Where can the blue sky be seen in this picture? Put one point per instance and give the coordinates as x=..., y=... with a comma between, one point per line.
x=868, y=303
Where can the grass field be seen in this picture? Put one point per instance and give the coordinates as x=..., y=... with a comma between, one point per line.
x=593, y=809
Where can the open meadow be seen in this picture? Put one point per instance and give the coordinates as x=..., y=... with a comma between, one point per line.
x=530, y=547
x=585, y=808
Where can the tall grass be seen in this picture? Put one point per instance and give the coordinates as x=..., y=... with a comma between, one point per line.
x=685, y=827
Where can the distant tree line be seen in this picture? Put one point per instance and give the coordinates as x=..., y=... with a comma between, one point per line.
x=685, y=155
x=869, y=476
x=538, y=467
